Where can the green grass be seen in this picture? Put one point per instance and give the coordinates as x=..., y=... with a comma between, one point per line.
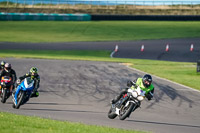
x=11, y=123
x=62, y=31
x=180, y=72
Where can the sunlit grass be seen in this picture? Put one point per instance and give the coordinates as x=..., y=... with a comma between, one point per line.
x=57, y=31
x=12, y=123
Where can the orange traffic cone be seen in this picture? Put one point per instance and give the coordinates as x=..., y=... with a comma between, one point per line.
x=116, y=48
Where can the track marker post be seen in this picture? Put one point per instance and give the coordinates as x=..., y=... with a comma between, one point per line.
x=116, y=50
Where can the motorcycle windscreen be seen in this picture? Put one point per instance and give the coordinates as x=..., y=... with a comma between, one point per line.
x=28, y=84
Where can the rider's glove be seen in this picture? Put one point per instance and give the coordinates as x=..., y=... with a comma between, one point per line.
x=130, y=83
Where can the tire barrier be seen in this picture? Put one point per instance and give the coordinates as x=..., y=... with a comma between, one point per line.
x=44, y=17
x=88, y=17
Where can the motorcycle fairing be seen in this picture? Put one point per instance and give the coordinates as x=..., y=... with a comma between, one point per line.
x=26, y=85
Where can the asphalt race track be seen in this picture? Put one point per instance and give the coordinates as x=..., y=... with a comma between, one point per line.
x=80, y=91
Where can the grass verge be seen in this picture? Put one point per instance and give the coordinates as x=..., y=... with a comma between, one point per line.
x=62, y=31
x=180, y=72
x=11, y=123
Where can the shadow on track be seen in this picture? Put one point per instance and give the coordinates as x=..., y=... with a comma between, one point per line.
x=57, y=104
x=39, y=103
x=59, y=110
x=172, y=93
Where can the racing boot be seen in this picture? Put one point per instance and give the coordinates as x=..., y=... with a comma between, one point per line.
x=35, y=94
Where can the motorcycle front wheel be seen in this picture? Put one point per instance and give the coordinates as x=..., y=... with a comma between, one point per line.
x=111, y=114
x=126, y=111
x=20, y=99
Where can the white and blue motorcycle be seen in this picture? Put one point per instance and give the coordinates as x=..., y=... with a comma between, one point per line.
x=23, y=92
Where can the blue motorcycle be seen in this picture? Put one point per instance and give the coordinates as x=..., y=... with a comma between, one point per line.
x=23, y=92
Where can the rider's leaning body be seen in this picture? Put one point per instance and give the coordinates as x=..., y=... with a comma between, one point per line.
x=144, y=83
x=2, y=66
x=148, y=90
x=8, y=71
x=33, y=75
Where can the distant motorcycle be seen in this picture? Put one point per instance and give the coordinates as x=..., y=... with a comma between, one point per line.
x=5, y=88
x=23, y=92
x=127, y=103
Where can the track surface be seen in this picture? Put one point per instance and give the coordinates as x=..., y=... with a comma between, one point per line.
x=179, y=49
x=80, y=91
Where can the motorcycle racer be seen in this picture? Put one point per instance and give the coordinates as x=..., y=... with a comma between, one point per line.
x=1, y=69
x=8, y=71
x=33, y=74
x=2, y=66
x=145, y=83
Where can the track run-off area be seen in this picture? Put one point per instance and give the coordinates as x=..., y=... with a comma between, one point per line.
x=80, y=91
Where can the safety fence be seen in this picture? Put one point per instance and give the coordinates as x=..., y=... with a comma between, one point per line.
x=46, y=17
x=103, y=3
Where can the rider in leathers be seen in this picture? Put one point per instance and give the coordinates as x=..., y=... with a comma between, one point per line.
x=2, y=66
x=144, y=83
x=34, y=75
x=8, y=71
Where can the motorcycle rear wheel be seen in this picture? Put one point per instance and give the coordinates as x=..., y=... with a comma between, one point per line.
x=3, y=99
x=111, y=114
